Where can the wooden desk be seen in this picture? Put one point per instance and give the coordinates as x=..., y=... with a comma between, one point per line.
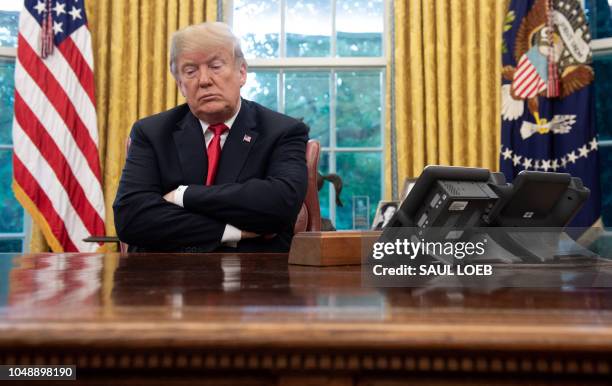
x=252, y=319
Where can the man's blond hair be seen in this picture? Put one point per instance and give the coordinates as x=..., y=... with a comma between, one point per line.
x=203, y=37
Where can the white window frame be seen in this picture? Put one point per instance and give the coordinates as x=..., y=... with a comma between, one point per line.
x=333, y=64
x=11, y=54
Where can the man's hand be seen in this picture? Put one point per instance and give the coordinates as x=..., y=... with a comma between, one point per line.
x=253, y=235
x=170, y=196
x=248, y=235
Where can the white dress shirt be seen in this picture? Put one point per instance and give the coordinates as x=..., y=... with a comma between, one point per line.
x=231, y=234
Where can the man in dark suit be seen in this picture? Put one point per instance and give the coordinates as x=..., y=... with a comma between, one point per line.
x=219, y=173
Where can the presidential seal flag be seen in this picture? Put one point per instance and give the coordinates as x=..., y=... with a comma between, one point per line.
x=55, y=163
x=548, y=120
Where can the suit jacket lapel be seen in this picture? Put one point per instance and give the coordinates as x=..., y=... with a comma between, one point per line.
x=191, y=148
x=236, y=149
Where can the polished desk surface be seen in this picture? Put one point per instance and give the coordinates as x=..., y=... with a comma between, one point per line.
x=247, y=302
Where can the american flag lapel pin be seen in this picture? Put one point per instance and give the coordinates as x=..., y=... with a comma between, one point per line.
x=247, y=138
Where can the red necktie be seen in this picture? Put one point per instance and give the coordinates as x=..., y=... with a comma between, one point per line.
x=214, y=151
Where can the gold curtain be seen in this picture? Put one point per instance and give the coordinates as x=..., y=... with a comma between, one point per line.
x=447, y=84
x=130, y=45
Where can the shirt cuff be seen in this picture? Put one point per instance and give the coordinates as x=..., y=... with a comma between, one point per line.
x=178, y=195
x=231, y=236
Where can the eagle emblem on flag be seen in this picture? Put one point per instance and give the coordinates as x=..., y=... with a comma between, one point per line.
x=553, y=60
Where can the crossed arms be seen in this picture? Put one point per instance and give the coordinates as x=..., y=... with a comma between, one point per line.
x=260, y=205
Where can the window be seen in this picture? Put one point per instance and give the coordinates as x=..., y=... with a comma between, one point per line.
x=323, y=61
x=600, y=17
x=13, y=222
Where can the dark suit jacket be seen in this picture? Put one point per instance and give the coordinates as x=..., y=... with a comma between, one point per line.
x=260, y=183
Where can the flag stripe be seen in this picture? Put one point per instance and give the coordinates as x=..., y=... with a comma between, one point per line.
x=30, y=186
x=531, y=90
x=527, y=83
x=79, y=66
x=38, y=167
x=55, y=124
x=542, y=86
x=520, y=71
x=63, y=73
x=524, y=80
x=526, y=87
x=523, y=65
x=54, y=157
x=37, y=73
x=527, y=77
x=81, y=38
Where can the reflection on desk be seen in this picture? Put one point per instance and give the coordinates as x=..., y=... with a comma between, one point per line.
x=256, y=314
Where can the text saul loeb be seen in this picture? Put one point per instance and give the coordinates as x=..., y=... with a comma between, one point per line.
x=409, y=249
x=434, y=270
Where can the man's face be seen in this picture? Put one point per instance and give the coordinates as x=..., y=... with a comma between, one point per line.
x=211, y=83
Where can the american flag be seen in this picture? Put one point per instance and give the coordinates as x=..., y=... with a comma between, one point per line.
x=55, y=135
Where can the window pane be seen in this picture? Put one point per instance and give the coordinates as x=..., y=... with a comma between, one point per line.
x=262, y=87
x=11, y=219
x=361, y=176
x=359, y=26
x=257, y=23
x=600, y=18
x=6, y=265
x=359, y=108
x=605, y=158
x=307, y=97
x=9, y=23
x=309, y=28
x=7, y=83
x=324, y=192
x=603, y=94
x=10, y=245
